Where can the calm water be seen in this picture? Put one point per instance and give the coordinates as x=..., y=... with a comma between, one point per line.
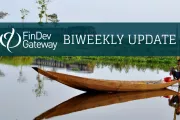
x=24, y=98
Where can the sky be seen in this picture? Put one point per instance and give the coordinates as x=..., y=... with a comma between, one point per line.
x=97, y=10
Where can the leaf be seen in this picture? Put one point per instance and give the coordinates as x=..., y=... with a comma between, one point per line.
x=40, y=2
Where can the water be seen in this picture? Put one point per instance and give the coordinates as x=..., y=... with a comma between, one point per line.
x=22, y=100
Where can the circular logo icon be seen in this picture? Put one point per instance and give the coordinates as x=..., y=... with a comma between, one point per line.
x=9, y=40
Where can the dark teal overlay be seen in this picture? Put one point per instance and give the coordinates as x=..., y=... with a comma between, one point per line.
x=55, y=45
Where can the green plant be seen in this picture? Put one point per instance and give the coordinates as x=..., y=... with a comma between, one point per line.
x=43, y=8
x=53, y=18
x=24, y=13
x=3, y=14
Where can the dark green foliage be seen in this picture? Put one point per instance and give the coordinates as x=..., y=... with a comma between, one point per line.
x=3, y=14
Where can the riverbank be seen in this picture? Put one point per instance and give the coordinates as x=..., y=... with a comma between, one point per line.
x=115, y=62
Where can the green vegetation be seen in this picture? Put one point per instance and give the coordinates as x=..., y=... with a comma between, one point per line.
x=118, y=62
x=75, y=69
x=24, y=13
x=3, y=14
x=114, y=59
x=16, y=61
x=53, y=18
x=43, y=8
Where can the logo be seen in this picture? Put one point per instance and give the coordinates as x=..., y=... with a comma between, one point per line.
x=9, y=40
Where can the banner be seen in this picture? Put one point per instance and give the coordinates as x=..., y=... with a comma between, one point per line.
x=89, y=39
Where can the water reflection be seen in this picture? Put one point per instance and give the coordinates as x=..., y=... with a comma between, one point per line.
x=39, y=87
x=1, y=74
x=21, y=78
x=174, y=102
x=92, y=100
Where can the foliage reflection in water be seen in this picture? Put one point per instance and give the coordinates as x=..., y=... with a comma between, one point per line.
x=87, y=68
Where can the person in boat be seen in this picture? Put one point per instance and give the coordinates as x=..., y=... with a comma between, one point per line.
x=175, y=102
x=175, y=71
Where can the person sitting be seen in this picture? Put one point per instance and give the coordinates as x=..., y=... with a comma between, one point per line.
x=175, y=71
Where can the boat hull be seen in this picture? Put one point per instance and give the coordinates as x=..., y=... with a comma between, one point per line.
x=89, y=84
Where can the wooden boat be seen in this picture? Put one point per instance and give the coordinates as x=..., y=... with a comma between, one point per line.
x=92, y=100
x=89, y=84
